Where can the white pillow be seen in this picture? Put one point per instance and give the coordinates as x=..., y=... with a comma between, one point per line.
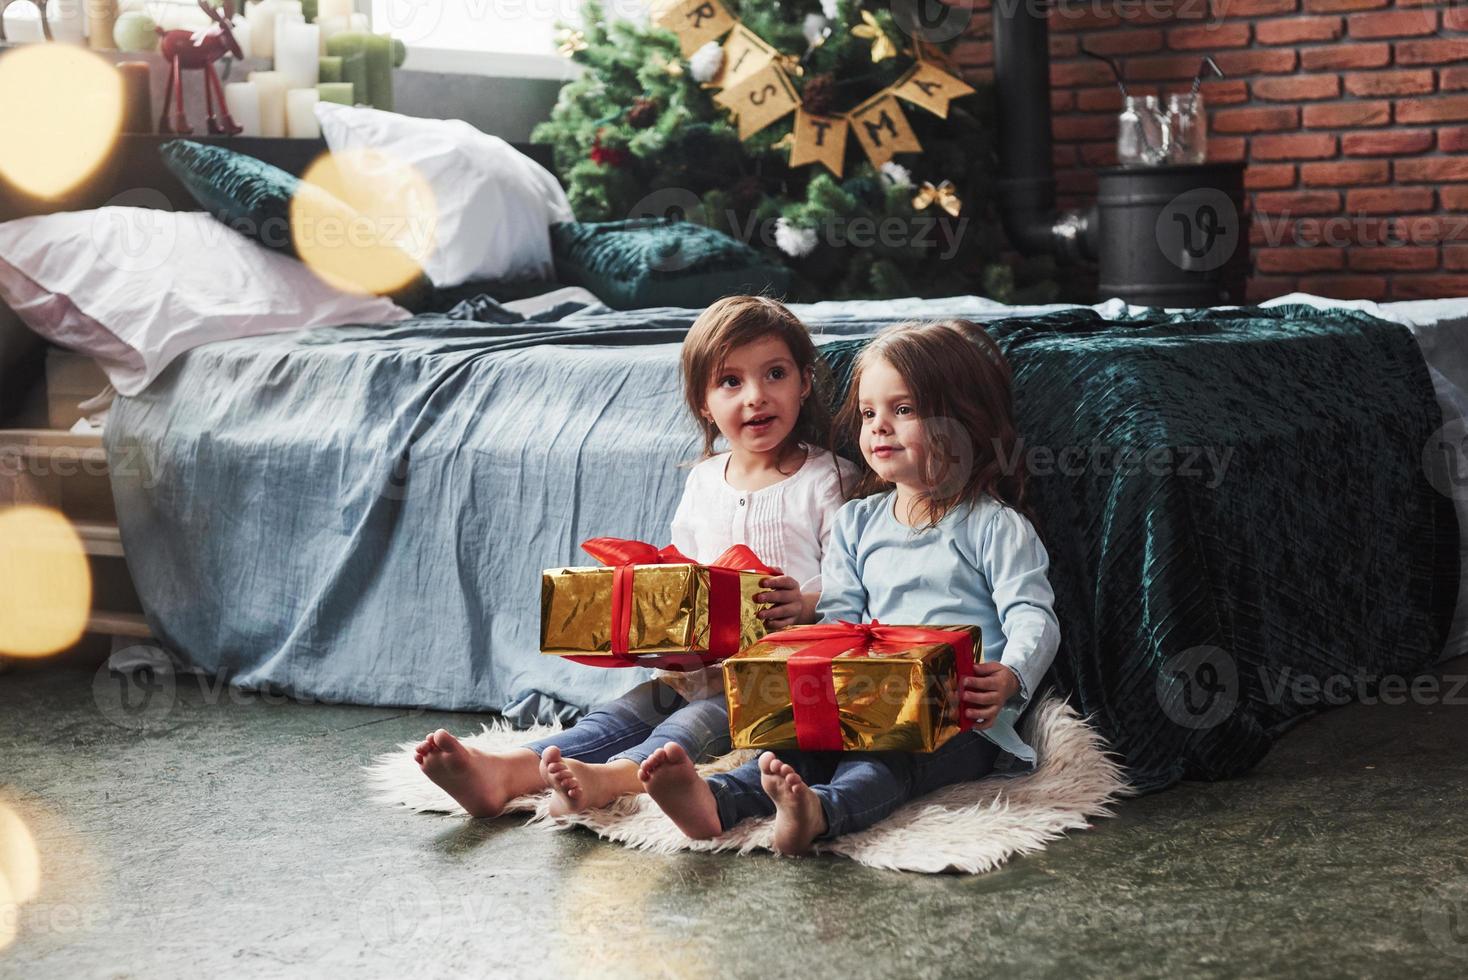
x=136, y=287
x=495, y=205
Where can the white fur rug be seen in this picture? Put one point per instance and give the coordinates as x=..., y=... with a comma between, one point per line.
x=969, y=827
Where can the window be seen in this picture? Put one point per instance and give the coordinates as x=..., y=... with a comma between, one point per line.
x=518, y=36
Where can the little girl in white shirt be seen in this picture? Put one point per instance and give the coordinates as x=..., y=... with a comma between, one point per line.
x=748, y=370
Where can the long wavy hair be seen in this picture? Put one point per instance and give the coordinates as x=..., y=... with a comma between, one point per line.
x=731, y=323
x=962, y=390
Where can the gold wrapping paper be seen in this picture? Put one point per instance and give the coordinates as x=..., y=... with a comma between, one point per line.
x=887, y=702
x=669, y=610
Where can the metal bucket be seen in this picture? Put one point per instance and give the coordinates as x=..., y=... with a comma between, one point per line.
x=1173, y=236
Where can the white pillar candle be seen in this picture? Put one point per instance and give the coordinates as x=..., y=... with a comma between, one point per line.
x=67, y=21
x=262, y=27
x=359, y=23
x=240, y=28
x=282, y=18
x=333, y=8
x=300, y=114
x=297, y=53
x=22, y=29
x=272, y=101
x=242, y=99
x=332, y=26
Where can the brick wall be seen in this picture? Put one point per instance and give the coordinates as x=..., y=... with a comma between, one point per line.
x=1351, y=114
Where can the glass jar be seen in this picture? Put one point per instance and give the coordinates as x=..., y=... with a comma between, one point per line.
x=1142, y=135
x=1187, y=123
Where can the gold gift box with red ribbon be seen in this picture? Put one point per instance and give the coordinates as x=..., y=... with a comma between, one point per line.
x=854, y=687
x=649, y=606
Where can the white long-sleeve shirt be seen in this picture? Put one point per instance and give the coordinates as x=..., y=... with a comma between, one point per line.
x=787, y=525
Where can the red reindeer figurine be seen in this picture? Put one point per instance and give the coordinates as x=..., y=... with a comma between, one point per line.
x=199, y=50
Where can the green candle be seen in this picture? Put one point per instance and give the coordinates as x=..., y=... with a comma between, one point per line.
x=330, y=68
x=308, y=10
x=335, y=92
x=379, y=71
x=351, y=48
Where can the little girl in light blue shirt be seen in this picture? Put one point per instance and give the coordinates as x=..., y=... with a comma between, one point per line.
x=981, y=564
x=938, y=536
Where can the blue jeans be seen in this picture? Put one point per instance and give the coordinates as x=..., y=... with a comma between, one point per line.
x=641, y=721
x=856, y=789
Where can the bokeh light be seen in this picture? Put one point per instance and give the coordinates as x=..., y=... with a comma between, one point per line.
x=380, y=240
x=20, y=872
x=45, y=583
x=61, y=110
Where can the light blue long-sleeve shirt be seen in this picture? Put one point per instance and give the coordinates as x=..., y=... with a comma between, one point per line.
x=982, y=564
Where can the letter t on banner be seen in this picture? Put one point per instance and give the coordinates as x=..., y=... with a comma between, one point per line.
x=820, y=139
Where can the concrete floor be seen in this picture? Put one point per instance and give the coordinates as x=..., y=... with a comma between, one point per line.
x=232, y=836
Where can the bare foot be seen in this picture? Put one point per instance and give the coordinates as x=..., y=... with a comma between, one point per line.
x=799, y=818
x=676, y=787
x=580, y=786
x=481, y=782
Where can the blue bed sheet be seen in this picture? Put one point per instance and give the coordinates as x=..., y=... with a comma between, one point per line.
x=361, y=514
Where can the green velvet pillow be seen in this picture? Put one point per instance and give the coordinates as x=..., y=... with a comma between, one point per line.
x=254, y=198
x=249, y=195
x=660, y=262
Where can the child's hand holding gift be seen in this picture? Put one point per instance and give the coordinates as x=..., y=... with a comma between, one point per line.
x=787, y=606
x=990, y=687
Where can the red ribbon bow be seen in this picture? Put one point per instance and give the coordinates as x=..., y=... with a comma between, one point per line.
x=812, y=680
x=623, y=555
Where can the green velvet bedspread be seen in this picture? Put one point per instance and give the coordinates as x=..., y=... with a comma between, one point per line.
x=1240, y=528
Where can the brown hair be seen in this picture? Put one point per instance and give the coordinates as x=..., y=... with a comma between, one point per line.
x=733, y=322
x=962, y=389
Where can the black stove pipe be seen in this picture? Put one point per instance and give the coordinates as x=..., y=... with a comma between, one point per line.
x=1026, y=169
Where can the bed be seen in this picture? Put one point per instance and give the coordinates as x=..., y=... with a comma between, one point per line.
x=1239, y=503
x=361, y=514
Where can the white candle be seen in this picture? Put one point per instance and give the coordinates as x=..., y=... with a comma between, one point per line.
x=332, y=26
x=333, y=8
x=262, y=27
x=282, y=18
x=272, y=101
x=265, y=16
x=66, y=20
x=359, y=23
x=22, y=29
x=297, y=53
x=241, y=31
x=242, y=99
x=300, y=114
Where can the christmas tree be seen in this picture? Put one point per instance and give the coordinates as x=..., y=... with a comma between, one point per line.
x=653, y=127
